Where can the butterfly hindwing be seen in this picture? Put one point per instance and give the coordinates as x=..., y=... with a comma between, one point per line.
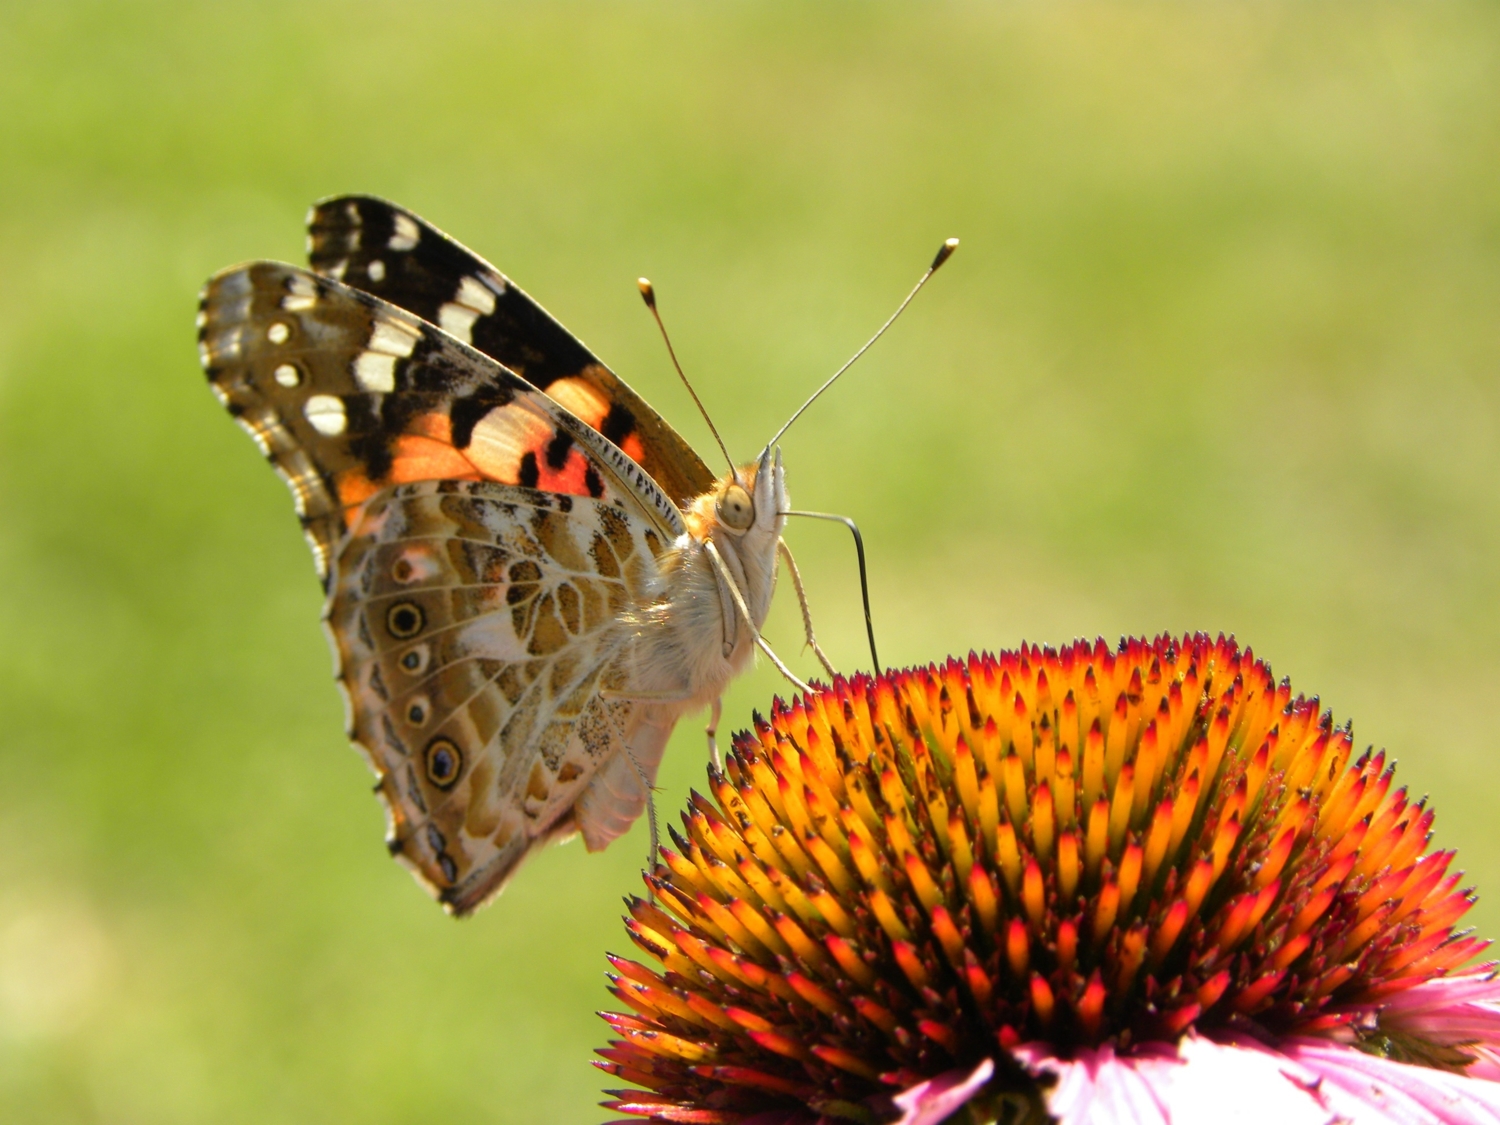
x=475, y=625
x=347, y=394
x=385, y=250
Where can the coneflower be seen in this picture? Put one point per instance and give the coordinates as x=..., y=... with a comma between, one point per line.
x=1144, y=885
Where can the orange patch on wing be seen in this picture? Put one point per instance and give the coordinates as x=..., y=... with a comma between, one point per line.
x=633, y=447
x=503, y=437
x=438, y=427
x=354, y=489
x=569, y=479
x=424, y=458
x=585, y=402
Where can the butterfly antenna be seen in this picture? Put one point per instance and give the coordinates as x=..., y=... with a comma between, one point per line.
x=943, y=255
x=648, y=294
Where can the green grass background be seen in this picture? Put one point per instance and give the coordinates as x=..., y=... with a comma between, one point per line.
x=1219, y=352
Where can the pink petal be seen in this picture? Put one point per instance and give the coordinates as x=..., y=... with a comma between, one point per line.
x=1097, y=1086
x=1459, y=1010
x=1197, y=1081
x=938, y=1098
x=1366, y=1088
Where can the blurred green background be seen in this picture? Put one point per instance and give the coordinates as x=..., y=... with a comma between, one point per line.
x=1219, y=352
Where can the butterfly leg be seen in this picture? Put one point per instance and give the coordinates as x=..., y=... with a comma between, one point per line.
x=712, y=730
x=807, y=625
x=739, y=603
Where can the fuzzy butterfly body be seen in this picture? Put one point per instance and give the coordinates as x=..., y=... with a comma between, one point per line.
x=530, y=576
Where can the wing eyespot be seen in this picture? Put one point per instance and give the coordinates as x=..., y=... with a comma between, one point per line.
x=444, y=762
x=405, y=620
x=414, y=660
x=418, y=711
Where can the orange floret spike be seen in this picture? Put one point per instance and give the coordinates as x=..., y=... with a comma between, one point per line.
x=966, y=780
x=1147, y=763
x=1043, y=823
x=1116, y=740
x=1064, y=790
x=959, y=849
x=989, y=812
x=1033, y=894
x=1017, y=947
x=1096, y=841
x=1068, y=867
x=1158, y=839
x=1021, y=734
x=984, y=898
x=1119, y=809
x=1106, y=906
x=921, y=882
x=1009, y=855
x=1093, y=764
x=1067, y=947
x=948, y=937
x=1130, y=874
x=1013, y=775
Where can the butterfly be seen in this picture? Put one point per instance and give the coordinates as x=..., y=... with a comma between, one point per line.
x=529, y=575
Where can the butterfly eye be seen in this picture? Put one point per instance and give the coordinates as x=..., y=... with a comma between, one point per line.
x=736, y=509
x=404, y=620
x=444, y=762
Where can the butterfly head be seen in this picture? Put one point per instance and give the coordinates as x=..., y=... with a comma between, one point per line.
x=751, y=500
x=746, y=503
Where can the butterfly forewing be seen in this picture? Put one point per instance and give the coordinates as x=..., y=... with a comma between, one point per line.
x=347, y=394
x=475, y=625
x=386, y=250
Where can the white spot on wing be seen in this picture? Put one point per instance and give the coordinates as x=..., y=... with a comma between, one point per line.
x=336, y=271
x=287, y=375
x=473, y=300
x=407, y=233
x=473, y=293
x=391, y=337
x=326, y=414
x=456, y=320
x=375, y=372
x=278, y=333
x=302, y=293
x=376, y=270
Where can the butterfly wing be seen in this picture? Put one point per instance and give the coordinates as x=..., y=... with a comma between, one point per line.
x=346, y=394
x=387, y=251
x=452, y=505
x=475, y=626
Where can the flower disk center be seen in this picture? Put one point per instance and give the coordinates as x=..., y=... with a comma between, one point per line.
x=900, y=876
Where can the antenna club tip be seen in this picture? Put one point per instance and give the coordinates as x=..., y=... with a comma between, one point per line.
x=945, y=252
x=648, y=294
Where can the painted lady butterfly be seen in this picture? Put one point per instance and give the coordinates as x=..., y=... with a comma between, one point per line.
x=530, y=575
